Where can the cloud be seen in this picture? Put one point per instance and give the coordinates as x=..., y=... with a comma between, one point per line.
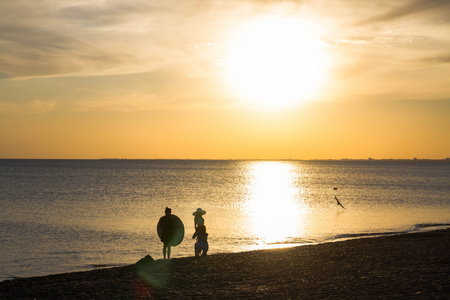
x=50, y=38
x=439, y=9
x=112, y=15
x=34, y=106
x=187, y=39
x=443, y=58
x=75, y=38
x=4, y=76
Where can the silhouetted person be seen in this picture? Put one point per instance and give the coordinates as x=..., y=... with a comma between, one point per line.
x=198, y=219
x=201, y=246
x=167, y=231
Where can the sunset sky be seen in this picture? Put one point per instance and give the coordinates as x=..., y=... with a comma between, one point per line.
x=225, y=79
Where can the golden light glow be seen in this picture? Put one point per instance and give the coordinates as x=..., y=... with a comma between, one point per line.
x=276, y=62
x=274, y=212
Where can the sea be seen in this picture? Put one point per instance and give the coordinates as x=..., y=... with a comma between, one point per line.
x=61, y=216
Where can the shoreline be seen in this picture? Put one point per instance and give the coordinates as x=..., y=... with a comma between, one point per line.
x=411, y=265
x=343, y=238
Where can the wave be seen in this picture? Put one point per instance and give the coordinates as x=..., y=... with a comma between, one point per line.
x=432, y=226
x=103, y=266
x=350, y=236
x=414, y=228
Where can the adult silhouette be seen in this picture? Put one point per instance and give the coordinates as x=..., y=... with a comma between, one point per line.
x=167, y=228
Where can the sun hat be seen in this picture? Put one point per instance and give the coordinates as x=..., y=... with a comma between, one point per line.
x=199, y=210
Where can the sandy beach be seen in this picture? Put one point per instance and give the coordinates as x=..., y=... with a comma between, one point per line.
x=403, y=266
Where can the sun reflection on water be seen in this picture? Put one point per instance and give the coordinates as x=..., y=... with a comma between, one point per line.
x=275, y=214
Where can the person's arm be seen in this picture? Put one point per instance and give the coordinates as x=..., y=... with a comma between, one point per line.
x=195, y=234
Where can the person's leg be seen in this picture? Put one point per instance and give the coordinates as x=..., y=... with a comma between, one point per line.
x=164, y=250
x=205, y=249
x=168, y=252
x=197, y=250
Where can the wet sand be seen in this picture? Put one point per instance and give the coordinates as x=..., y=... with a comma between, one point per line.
x=409, y=266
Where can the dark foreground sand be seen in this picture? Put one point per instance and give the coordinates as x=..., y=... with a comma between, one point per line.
x=404, y=266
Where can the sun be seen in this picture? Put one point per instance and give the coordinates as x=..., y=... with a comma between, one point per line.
x=276, y=62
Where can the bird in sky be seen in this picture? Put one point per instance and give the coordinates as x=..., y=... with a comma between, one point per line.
x=339, y=203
